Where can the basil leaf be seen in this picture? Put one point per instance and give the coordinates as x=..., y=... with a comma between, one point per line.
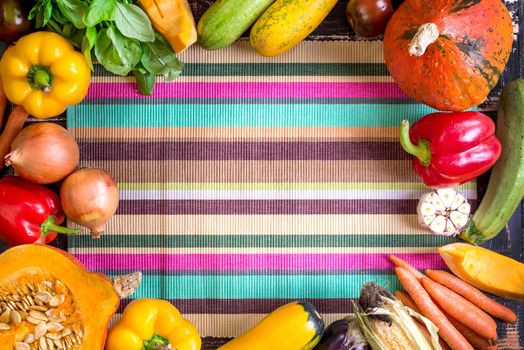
x=98, y=11
x=117, y=53
x=159, y=59
x=74, y=11
x=133, y=22
x=145, y=81
x=88, y=43
x=41, y=13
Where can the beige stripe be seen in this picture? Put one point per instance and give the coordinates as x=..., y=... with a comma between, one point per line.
x=261, y=78
x=230, y=325
x=258, y=171
x=343, y=51
x=230, y=134
x=310, y=250
x=269, y=224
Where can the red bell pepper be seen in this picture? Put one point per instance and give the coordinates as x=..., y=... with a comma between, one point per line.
x=29, y=213
x=451, y=148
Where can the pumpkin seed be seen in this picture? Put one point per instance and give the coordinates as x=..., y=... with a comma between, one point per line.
x=5, y=317
x=57, y=300
x=54, y=327
x=50, y=344
x=39, y=315
x=44, y=296
x=40, y=308
x=40, y=330
x=30, y=338
x=58, y=343
x=16, y=317
x=42, y=344
x=33, y=320
x=4, y=327
x=66, y=331
x=22, y=346
x=54, y=336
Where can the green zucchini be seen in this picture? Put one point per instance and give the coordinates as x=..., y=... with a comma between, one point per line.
x=506, y=184
x=225, y=21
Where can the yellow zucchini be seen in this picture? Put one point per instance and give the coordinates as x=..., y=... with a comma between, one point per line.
x=294, y=326
x=286, y=23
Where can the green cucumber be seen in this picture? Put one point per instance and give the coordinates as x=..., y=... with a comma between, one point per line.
x=506, y=184
x=226, y=20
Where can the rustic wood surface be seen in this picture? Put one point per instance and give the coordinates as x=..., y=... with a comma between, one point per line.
x=509, y=243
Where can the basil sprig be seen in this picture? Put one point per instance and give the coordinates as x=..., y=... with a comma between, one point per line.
x=118, y=32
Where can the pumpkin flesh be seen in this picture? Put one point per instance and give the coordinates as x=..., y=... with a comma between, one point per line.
x=86, y=301
x=460, y=68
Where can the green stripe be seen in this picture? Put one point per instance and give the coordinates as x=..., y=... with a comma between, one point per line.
x=379, y=186
x=258, y=241
x=276, y=69
x=260, y=286
x=238, y=115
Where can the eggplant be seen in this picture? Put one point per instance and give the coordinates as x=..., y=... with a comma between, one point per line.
x=343, y=335
x=13, y=19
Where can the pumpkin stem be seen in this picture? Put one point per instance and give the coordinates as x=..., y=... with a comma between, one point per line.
x=50, y=226
x=421, y=151
x=426, y=35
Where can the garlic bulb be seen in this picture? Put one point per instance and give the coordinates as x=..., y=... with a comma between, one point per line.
x=443, y=211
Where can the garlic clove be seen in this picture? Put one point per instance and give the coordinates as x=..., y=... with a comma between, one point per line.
x=447, y=196
x=438, y=225
x=437, y=202
x=457, y=202
x=450, y=228
x=426, y=220
x=465, y=208
x=426, y=209
x=459, y=219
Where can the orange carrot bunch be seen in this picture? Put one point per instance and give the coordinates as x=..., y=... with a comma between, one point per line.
x=462, y=313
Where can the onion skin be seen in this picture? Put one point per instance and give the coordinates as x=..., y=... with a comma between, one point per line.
x=89, y=197
x=43, y=153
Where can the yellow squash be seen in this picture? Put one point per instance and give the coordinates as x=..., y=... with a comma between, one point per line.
x=294, y=326
x=286, y=23
x=151, y=324
x=174, y=20
x=485, y=269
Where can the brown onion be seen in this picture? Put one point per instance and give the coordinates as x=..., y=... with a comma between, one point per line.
x=89, y=197
x=43, y=153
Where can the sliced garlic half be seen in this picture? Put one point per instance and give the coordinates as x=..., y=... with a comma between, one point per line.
x=443, y=211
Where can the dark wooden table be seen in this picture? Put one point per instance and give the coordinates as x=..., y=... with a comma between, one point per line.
x=509, y=243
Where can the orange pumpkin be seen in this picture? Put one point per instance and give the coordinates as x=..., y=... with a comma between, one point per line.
x=47, y=296
x=448, y=54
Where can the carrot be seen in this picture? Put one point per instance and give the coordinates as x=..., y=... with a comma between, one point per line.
x=3, y=104
x=14, y=124
x=473, y=294
x=422, y=299
x=408, y=301
x=404, y=264
x=476, y=340
x=461, y=309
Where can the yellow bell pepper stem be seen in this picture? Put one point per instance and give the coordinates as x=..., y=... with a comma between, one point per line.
x=40, y=77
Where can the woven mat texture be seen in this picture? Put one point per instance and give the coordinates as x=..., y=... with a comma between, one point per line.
x=252, y=181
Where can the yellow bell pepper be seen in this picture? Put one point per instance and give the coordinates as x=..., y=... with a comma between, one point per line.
x=43, y=73
x=152, y=324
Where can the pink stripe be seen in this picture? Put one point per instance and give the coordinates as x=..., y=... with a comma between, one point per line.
x=221, y=262
x=250, y=90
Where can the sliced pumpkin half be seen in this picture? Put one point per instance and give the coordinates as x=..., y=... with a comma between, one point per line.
x=48, y=300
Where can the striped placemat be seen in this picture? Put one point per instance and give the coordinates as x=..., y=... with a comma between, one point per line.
x=252, y=181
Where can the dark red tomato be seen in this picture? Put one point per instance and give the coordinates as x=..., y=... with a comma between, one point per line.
x=369, y=18
x=13, y=19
